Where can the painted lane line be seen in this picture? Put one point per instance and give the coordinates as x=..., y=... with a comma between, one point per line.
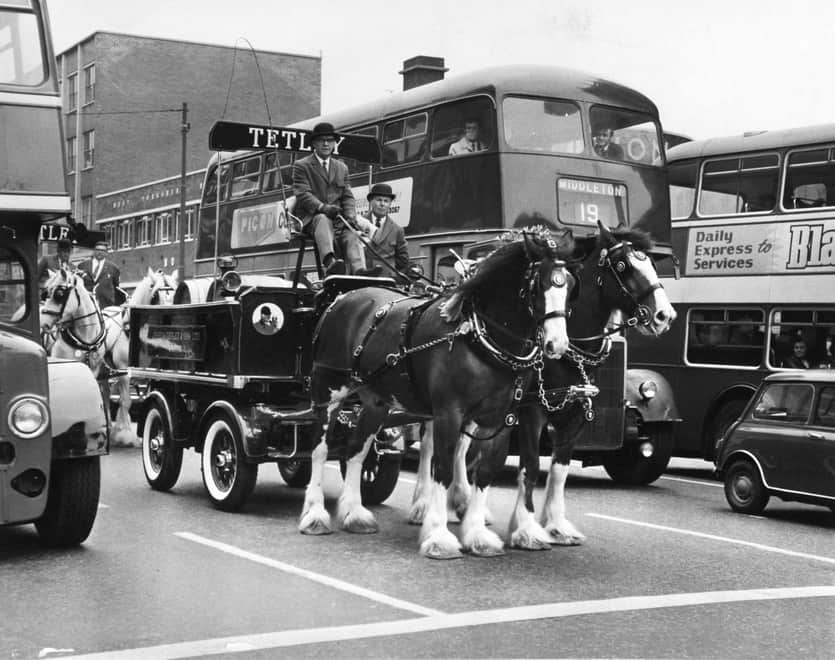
x=712, y=537
x=263, y=641
x=310, y=575
x=694, y=481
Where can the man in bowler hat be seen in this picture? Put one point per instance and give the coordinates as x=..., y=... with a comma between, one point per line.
x=101, y=277
x=322, y=190
x=53, y=262
x=388, y=239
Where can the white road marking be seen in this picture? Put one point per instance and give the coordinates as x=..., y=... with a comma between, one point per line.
x=712, y=537
x=310, y=575
x=239, y=643
x=104, y=506
x=694, y=481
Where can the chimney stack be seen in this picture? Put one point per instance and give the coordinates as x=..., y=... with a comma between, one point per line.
x=422, y=69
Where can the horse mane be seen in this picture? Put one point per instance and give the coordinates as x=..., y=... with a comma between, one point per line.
x=640, y=239
x=523, y=246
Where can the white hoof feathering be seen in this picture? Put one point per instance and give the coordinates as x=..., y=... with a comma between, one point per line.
x=123, y=436
x=459, y=498
x=530, y=536
x=482, y=542
x=315, y=521
x=418, y=511
x=441, y=544
x=565, y=534
x=356, y=519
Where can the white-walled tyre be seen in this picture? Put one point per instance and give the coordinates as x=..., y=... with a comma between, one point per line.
x=162, y=458
x=228, y=478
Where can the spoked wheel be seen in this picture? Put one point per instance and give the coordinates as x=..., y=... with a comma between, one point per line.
x=744, y=489
x=228, y=478
x=162, y=458
x=379, y=476
x=295, y=471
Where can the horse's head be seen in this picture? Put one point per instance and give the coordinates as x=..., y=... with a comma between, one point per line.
x=628, y=281
x=156, y=288
x=63, y=298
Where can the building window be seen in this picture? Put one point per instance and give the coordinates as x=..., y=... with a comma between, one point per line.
x=90, y=84
x=72, y=93
x=162, y=228
x=89, y=148
x=87, y=210
x=71, y=146
x=110, y=234
x=144, y=231
x=125, y=234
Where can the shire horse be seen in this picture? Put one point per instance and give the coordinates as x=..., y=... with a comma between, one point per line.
x=464, y=359
x=97, y=337
x=620, y=288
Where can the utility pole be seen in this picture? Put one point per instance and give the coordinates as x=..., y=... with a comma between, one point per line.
x=183, y=220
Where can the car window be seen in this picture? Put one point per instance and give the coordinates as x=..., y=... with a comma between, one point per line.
x=784, y=402
x=825, y=413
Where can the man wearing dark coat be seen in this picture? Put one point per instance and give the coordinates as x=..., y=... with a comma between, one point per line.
x=388, y=239
x=53, y=262
x=101, y=277
x=322, y=190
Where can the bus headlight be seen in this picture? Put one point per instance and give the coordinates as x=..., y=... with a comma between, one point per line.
x=648, y=389
x=28, y=417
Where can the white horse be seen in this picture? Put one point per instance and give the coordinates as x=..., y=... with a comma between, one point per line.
x=98, y=337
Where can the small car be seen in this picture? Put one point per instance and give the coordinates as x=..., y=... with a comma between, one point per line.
x=783, y=444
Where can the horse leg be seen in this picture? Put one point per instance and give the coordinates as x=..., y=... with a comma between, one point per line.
x=351, y=514
x=423, y=486
x=561, y=530
x=477, y=539
x=458, y=498
x=525, y=532
x=315, y=518
x=436, y=541
x=122, y=431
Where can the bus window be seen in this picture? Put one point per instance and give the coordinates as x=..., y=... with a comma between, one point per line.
x=404, y=140
x=210, y=193
x=12, y=288
x=21, y=53
x=449, y=120
x=809, y=326
x=810, y=179
x=733, y=186
x=357, y=166
x=245, y=177
x=726, y=336
x=625, y=135
x=682, y=179
x=272, y=181
x=543, y=125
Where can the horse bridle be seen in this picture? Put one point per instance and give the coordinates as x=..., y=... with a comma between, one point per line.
x=616, y=259
x=61, y=294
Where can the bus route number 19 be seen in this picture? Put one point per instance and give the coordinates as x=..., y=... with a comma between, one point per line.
x=589, y=213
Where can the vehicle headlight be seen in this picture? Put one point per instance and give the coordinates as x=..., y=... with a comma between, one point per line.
x=28, y=417
x=648, y=389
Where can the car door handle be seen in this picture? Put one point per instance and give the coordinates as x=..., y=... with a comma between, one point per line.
x=815, y=436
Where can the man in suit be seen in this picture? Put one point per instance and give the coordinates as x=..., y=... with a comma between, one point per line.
x=602, y=140
x=53, y=262
x=322, y=190
x=101, y=277
x=388, y=239
x=471, y=142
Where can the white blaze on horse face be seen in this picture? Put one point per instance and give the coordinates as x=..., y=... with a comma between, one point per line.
x=554, y=330
x=661, y=311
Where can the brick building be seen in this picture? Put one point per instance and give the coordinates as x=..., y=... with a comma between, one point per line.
x=123, y=96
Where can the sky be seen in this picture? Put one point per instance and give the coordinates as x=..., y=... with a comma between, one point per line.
x=713, y=67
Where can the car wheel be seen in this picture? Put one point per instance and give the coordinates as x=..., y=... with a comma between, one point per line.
x=72, y=502
x=228, y=478
x=379, y=476
x=162, y=458
x=295, y=471
x=628, y=466
x=744, y=489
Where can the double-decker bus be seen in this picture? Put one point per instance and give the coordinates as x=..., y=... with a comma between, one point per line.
x=537, y=164
x=52, y=423
x=753, y=222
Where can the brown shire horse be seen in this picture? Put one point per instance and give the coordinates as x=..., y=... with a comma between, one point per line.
x=465, y=360
x=618, y=280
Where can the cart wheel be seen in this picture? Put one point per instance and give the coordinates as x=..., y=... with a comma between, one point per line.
x=162, y=458
x=295, y=471
x=228, y=478
x=744, y=489
x=72, y=501
x=379, y=476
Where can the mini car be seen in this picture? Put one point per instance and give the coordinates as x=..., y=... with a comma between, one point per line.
x=783, y=444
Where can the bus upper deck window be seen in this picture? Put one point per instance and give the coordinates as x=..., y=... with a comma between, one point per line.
x=682, y=178
x=463, y=127
x=734, y=186
x=21, y=49
x=810, y=179
x=625, y=135
x=550, y=125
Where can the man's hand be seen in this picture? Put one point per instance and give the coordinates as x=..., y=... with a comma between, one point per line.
x=331, y=210
x=365, y=226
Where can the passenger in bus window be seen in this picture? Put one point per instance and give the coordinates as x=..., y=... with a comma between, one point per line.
x=827, y=358
x=798, y=359
x=604, y=145
x=471, y=142
x=388, y=239
x=323, y=196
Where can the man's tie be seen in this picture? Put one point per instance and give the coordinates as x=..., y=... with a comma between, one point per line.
x=325, y=165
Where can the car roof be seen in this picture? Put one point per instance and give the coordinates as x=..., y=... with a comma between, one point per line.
x=826, y=376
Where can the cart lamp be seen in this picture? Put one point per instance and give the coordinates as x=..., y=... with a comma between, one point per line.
x=28, y=417
x=647, y=449
x=231, y=281
x=648, y=389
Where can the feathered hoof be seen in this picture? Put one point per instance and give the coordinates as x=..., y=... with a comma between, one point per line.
x=483, y=543
x=418, y=512
x=315, y=522
x=441, y=544
x=528, y=539
x=121, y=436
x=560, y=538
x=359, y=520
